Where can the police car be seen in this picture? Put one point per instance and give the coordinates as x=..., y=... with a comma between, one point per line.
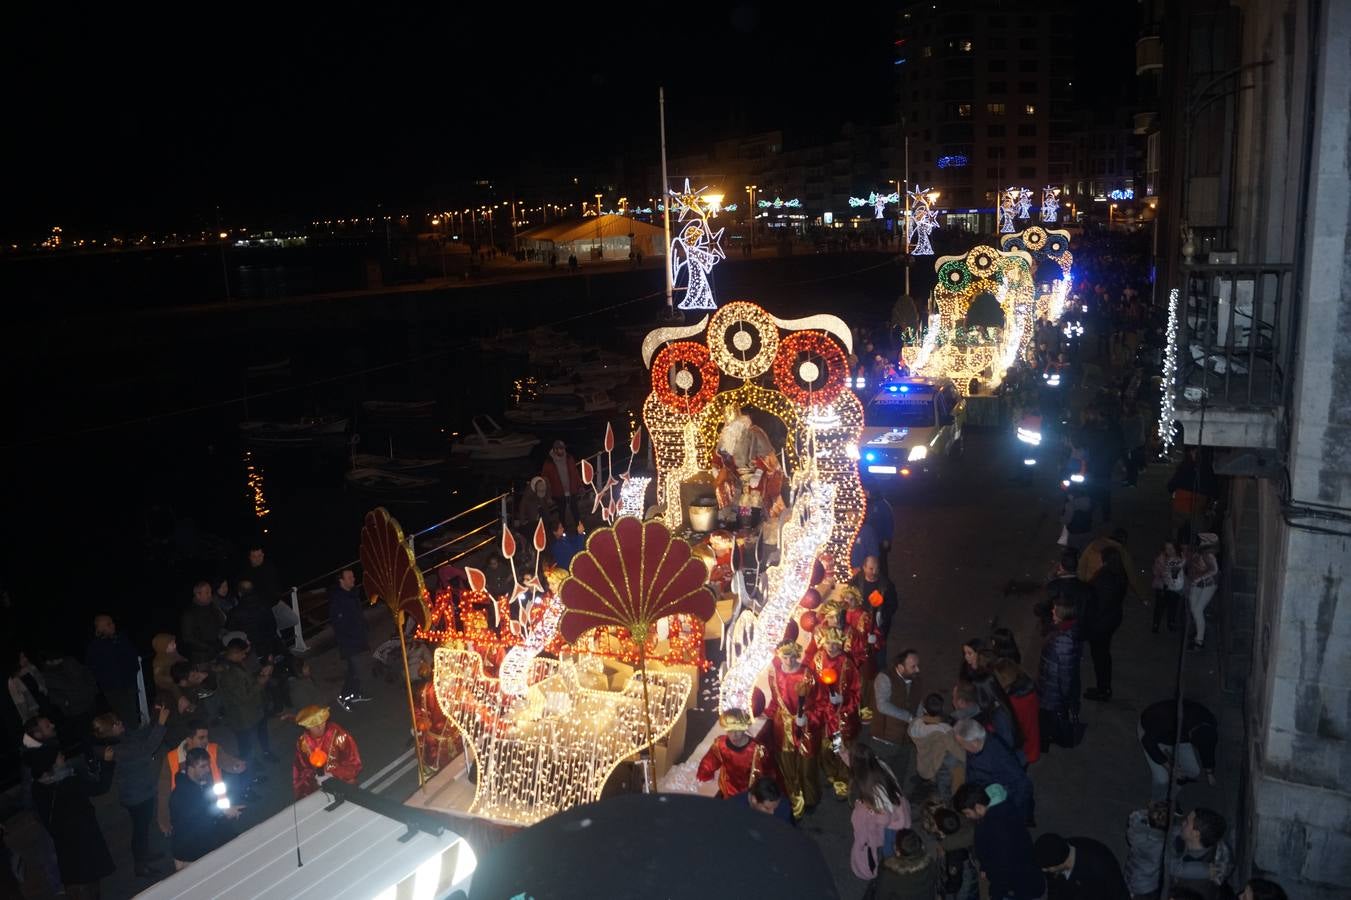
x=909, y=425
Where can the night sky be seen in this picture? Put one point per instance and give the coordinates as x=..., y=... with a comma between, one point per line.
x=123, y=118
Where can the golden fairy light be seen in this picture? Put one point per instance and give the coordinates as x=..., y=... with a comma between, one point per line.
x=253, y=478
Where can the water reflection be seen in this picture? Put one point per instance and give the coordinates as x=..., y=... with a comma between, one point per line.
x=253, y=478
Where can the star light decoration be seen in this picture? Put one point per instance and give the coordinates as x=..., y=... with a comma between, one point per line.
x=821, y=420
x=923, y=220
x=1168, y=396
x=877, y=201
x=696, y=248
x=1050, y=203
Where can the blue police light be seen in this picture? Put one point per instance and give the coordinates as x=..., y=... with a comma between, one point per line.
x=870, y=456
x=905, y=389
x=893, y=388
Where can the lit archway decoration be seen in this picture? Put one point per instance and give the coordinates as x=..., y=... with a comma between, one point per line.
x=1045, y=245
x=961, y=353
x=743, y=339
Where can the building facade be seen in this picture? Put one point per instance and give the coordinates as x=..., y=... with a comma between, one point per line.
x=1254, y=138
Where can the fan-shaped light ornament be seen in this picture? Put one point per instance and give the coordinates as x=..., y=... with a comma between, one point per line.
x=389, y=571
x=743, y=340
x=629, y=576
x=810, y=368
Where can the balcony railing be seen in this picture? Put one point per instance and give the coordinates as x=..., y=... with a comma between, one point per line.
x=1234, y=334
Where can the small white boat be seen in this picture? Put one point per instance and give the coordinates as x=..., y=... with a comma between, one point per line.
x=386, y=483
x=307, y=430
x=553, y=409
x=402, y=464
x=399, y=409
x=490, y=441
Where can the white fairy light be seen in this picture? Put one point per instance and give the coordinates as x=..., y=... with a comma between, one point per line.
x=877, y=201
x=923, y=220
x=554, y=748
x=1167, y=413
x=1050, y=203
x=803, y=537
x=516, y=664
x=632, y=494
x=696, y=248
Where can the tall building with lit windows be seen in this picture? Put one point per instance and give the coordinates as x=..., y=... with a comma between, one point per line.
x=984, y=98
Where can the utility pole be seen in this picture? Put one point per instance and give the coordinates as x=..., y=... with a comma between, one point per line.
x=906, y=224
x=666, y=206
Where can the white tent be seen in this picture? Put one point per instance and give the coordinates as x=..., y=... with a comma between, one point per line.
x=615, y=236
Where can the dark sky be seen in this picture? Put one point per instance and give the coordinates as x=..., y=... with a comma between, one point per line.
x=129, y=118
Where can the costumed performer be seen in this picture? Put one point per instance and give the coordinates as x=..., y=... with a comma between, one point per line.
x=836, y=703
x=789, y=711
x=324, y=749
x=735, y=757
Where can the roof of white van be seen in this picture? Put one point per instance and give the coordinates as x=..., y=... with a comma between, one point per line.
x=349, y=851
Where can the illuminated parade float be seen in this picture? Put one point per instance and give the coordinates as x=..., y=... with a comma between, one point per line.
x=538, y=696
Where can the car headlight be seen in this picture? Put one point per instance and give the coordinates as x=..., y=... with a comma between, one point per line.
x=918, y=453
x=1027, y=436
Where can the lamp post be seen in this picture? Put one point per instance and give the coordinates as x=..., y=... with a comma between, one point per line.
x=751, y=189
x=906, y=194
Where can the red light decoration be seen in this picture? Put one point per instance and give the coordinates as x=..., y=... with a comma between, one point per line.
x=809, y=368
x=875, y=599
x=692, y=361
x=318, y=758
x=829, y=676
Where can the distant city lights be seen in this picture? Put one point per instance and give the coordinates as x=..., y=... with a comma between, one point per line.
x=953, y=162
x=1127, y=194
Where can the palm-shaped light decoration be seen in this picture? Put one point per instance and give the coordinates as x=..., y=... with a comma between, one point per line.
x=391, y=576
x=630, y=575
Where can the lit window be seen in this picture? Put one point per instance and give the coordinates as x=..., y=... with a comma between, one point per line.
x=964, y=110
x=994, y=109
x=964, y=46
x=1030, y=109
x=927, y=52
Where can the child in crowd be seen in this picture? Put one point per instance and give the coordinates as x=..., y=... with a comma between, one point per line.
x=1145, y=833
x=938, y=757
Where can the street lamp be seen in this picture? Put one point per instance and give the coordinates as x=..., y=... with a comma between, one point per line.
x=751, y=189
x=1111, y=208
x=713, y=202
x=598, y=196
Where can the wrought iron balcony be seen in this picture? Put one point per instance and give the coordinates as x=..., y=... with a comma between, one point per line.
x=1234, y=335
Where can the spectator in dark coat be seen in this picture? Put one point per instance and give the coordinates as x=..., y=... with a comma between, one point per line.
x=1102, y=618
x=199, y=824
x=199, y=634
x=241, y=689
x=991, y=761
x=565, y=544
x=136, y=777
x=869, y=579
x=115, y=664
x=73, y=694
x=1079, y=868
x=346, y=616
x=1065, y=587
x=1195, y=751
x=61, y=801
x=263, y=575
x=1058, y=678
x=1002, y=842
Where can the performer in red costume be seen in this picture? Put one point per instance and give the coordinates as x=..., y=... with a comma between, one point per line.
x=836, y=706
x=735, y=757
x=864, y=638
x=324, y=749
x=794, y=730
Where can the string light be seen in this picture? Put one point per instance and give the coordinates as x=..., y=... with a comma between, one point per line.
x=556, y=747
x=684, y=376
x=1168, y=396
x=253, y=477
x=743, y=340
x=1050, y=203
x=776, y=203
x=807, y=530
x=700, y=246
x=810, y=358
x=923, y=220
x=1007, y=276
x=633, y=494
x=877, y=201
